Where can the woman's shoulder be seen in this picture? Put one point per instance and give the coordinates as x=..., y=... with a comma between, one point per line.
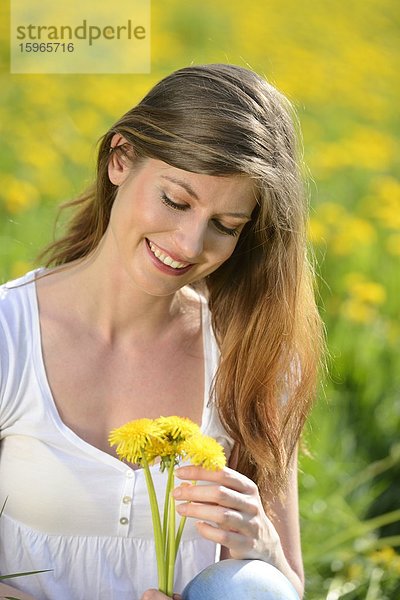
x=17, y=315
x=17, y=324
x=15, y=294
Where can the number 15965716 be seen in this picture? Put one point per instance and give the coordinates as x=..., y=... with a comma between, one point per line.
x=46, y=47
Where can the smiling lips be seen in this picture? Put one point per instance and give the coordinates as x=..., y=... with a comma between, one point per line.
x=166, y=259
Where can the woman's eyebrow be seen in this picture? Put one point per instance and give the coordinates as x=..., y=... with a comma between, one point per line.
x=186, y=186
x=238, y=215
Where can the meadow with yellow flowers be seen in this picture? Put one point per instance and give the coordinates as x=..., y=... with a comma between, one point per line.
x=338, y=63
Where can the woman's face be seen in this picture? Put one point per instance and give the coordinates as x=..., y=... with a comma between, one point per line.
x=171, y=227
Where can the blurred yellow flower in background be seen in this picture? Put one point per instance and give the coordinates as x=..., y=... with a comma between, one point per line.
x=367, y=148
x=384, y=202
x=18, y=195
x=317, y=231
x=351, y=234
x=386, y=557
x=363, y=298
x=368, y=291
x=358, y=312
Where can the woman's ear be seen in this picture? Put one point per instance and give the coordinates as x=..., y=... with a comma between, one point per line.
x=120, y=162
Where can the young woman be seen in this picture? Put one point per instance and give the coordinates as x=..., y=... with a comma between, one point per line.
x=181, y=287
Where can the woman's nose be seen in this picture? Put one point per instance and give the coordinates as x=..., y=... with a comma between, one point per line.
x=190, y=239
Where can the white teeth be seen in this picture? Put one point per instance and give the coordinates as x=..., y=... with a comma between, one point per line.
x=167, y=260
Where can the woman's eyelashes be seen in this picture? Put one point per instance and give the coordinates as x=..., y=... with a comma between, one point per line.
x=226, y=230
x=168, y=202
x=217, y=224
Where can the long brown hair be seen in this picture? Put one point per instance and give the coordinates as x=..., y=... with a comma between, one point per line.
x=226, y=120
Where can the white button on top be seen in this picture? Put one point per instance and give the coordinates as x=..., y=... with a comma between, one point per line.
x=124, y=521
x=130, y=474
x=127, y=499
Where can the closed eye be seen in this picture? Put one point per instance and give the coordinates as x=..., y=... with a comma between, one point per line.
x=217, y=224
x=226, y=230
x=168, y=202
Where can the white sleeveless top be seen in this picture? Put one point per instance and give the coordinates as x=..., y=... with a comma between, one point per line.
x=71, y=507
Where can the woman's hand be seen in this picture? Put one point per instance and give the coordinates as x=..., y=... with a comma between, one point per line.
x=156, y=595
x=231, y=501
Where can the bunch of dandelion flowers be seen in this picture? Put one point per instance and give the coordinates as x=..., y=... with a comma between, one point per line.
x=171, y=439
x=134, y=442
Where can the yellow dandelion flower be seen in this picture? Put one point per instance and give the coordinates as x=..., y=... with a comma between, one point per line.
x=206, y=452
x=133, y=438
x=164, y=449
x=174, y=431
x=177, y=429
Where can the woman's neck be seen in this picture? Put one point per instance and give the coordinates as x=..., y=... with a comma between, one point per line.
x=107, y=301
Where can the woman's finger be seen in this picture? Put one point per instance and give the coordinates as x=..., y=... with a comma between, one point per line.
x=246, y=522
x=236, y=542
x=225, y=518
x=218, y=495
x=226, y=477
x=213, y=494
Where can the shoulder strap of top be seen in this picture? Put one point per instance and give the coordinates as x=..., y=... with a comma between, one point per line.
x=213, y=426
x=210, y=348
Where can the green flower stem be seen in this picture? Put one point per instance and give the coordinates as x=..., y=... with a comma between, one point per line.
x=168, y=490
x=180, y=530
x=171, y=544
x=179, y=535
x=155, y=515
x=23, y=574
